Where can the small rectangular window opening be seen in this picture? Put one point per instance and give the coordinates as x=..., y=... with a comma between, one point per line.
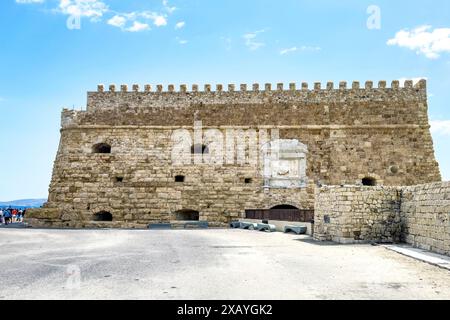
x=179, y=178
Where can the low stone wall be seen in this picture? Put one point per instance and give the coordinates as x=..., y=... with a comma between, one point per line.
x=356, y=214
x=418, y=215
x=55, y=218
x=43, y=217
x=425, y=213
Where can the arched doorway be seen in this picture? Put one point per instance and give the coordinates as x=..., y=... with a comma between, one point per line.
x=101, y=148
x=284, y=212
x=187, y=215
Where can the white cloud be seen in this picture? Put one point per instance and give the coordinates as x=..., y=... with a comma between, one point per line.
x=289, y=50
x=160, y=21
x=440, y=127
x=94, y=9
x=157, y=19
x=251, y=41
x=29, y=1
x=180, y=25
x=138, y=26
x=295, y=49
x=126, y=21
x=137, y=20
x=117, y=21
x=167, y=7
x=424, y=40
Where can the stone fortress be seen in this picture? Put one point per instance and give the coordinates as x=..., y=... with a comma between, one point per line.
x=118, y=161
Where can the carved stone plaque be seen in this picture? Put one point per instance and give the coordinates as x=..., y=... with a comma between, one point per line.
x=285, y=164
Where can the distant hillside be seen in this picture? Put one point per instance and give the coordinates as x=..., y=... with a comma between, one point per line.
x=26, y=203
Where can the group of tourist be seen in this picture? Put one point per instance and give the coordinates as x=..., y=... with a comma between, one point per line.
x=10, y=215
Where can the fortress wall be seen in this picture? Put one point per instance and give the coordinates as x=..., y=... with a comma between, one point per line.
x=344, y=156
x=142, y=157
x=392, y=156
x=85, y=183
x=350, y=133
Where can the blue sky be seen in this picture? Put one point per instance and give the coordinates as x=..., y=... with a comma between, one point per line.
x=48, y=61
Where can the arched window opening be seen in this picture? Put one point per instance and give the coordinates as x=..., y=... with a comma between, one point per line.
x=101, y=148
x=103, y=216
x=370, y=182
x=284, y=207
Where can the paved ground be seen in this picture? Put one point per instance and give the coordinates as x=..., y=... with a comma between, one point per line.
x=205, y=264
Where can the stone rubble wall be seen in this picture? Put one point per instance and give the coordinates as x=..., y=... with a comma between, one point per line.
x=425, y=214
x=354, y=214
x=418, y=215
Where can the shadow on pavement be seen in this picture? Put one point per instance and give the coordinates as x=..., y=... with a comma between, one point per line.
x=310, y=240
x=14, y=226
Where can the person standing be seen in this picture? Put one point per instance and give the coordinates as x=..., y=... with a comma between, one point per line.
x=7, y=215
x=2, y=217
x=14, y=215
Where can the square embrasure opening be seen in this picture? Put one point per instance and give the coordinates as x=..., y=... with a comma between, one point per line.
x=180, y=178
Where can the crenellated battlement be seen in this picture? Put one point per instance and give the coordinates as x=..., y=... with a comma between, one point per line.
x=268, y=87
x=134, y=97
x=241, y=105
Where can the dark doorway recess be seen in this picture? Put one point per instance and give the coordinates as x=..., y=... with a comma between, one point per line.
x=282, y=212
x=371, y=182
x=103, y=216
x=101, y=148
x=180, y=178
x=187, y=215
